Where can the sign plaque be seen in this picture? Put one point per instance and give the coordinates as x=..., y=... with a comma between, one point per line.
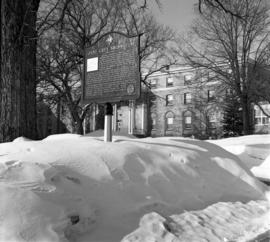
x=112, y=70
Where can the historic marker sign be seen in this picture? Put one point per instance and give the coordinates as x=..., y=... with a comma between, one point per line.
x=111, y=70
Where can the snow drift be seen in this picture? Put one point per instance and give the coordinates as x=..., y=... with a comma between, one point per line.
x=252, y=150
x=74, y=188
x=263, y=171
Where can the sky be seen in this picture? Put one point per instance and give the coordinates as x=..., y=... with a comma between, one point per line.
x=177, y=14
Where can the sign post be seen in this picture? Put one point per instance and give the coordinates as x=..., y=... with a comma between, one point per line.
x=108, y=123
x=111, y=74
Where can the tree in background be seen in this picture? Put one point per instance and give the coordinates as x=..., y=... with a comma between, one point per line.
x=225, y=44
x=86, y=23
x=206, y=104
x=18, y=49
x=232, y=120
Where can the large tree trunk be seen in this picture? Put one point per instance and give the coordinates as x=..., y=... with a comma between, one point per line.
x=18, y=69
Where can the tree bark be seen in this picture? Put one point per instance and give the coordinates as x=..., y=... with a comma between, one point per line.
x=18, y=69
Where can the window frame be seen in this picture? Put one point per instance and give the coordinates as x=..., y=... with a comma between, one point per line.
x=169, y=102
x=187, y=100
x=169, y=116
x=153, y=83
x=187, y=114
x=154, y=121
x=210, y=95
x=169, y=83
x=188, y=78
x=264, y=120
x=212, y=120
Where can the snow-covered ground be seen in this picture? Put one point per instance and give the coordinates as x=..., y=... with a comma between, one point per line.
x=253, y=151
x=75, y=188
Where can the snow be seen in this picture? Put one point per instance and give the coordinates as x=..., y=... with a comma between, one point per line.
x=252, y=150
x=263, y=171
x=218, y=222
x=78, y=188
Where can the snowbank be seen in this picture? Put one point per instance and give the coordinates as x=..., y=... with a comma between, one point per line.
x=253, y=151
x=80, y=188
x=218, y=222
x=263, y=171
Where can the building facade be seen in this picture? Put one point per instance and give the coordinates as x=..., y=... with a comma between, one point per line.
x=179, y=107
x=176, y=102
x=170, y=105
x=261, y=120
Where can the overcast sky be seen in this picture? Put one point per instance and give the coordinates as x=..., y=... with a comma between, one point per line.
x=176, y=13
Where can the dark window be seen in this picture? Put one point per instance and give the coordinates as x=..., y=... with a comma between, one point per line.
x=187, y=98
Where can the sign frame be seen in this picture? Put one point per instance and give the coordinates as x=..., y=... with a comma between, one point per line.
x=116, y=75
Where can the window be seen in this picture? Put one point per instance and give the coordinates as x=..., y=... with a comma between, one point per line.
x=260, y=117
x=212, y=119
x=210, y=95
x=169, y=120
x=153, y=83
x=154, y=120
x=187, y=78
x=187, y=120
x=169, y=99
x=169, y=82
x=153, y=101
x=187, y=98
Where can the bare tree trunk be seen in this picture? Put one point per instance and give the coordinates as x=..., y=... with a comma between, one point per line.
x=246, y=112
x=18, y=69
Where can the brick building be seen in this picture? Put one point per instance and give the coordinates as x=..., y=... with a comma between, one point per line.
x=178, y=107
x=175, y=102
x=170, y=105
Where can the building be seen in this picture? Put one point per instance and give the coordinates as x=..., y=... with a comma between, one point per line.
x=175, y=102
x=261, y=120
x=170, y=105
x=183, y=104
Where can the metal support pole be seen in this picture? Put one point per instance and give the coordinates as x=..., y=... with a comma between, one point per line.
x=108, y=123
x=131, y=117
x=143, y=117
x=94, y=117
x=114, y=121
